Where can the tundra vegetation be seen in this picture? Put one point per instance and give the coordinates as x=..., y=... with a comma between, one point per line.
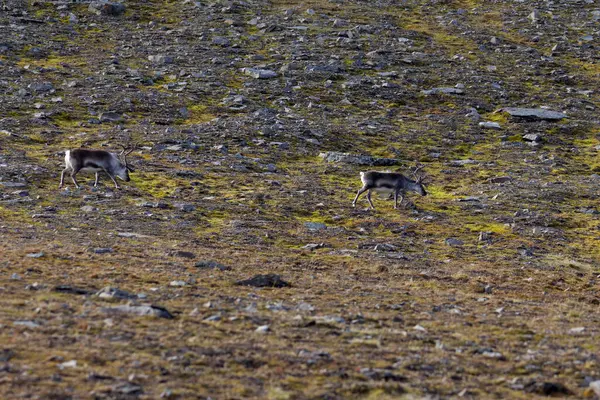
x=488, y=287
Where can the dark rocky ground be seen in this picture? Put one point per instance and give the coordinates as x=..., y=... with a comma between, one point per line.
x=487, y=288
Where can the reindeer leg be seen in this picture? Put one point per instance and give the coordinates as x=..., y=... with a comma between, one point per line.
x=62, y=177
x=360, y=191
x=75, y=171
x=113, y=179
x=96, y=181
x=369, y=198
x=396, y=199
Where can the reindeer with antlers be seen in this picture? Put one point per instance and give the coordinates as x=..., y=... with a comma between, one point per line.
x=393, y=181
x=97, y=161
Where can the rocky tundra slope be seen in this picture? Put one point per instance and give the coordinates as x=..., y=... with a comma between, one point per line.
x=233, y=266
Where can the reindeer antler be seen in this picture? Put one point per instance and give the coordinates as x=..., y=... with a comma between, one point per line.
x=418, y=178
x=124, y=153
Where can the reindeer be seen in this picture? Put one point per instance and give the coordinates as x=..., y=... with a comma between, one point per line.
x=393, y=181
x=97, y=161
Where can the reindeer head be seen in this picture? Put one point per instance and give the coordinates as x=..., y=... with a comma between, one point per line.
x=123, y=172
x=419, y=178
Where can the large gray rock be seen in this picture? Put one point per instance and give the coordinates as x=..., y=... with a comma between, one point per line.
x=337, y=157
x=533, y=113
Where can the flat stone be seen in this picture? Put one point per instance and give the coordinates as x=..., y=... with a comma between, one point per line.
x=131, y=235
x=443, y=90
x=489, y=125
x=313, y=246
x=41, y=87
x=532, y=137
x=102, y=250
x=454, y=242
x=106, y=8
x=500, y=179
x=111, y=117
x=221, y=41
x=315, y=226
x=211, y=265
x=143, y=310
x=109, y=292
x=184, y=254
x=533, y=113
x=260, y=73
x=329, y=68
x=161, y=59
x=13, y=184
x=337, y=157
x=71, y=290
x=184, y=207
x=27, y=324
x=384, y=247
x=268, y=280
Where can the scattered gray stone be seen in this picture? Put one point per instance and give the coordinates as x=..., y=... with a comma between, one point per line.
x=72, y=290
x=161, y=59
x=15, y=277
x=547, y=388
x=337, y=157
x=6, y=355
x=68, y=364
x=142, y=310
x=27, y=324
x=473, y=115
x=111, y=117
x=534, y=16
x=533, y=113
x=320, y=69
x=262, y=329
x=102, y=250
x=315, y=226
x=385, y=247
x=184, y=207
x=211, y=265
x=36, y=255
x=443, y=90
x=106, y=8
x=221, y=41
x=268, y=280
x=500, y=179
x=532, y=137
x=109, y=292
x=184, y=254
x=377, y=374
x=595, y=386
x=88, y=209
x=178, y=283
x=454, y=242
x=313, y=246
x=41, y=87
x=490, y=125
x=131, y=235
x=463, y=162
x=13, y=184
x=260, y=73
x=127, y=389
